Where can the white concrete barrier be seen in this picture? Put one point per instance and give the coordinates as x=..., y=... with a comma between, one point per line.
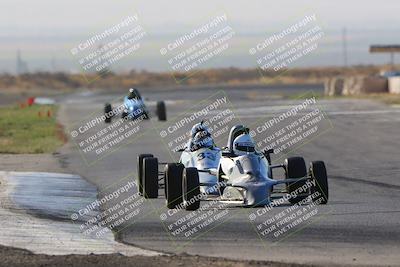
x=394, y=85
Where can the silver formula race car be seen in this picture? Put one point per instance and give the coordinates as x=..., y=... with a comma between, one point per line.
x=133, y=107
x=237, y=173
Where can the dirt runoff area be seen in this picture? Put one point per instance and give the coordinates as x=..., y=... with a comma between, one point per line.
x=18, y=257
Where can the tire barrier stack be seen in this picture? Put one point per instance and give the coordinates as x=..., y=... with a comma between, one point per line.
x=354, y=85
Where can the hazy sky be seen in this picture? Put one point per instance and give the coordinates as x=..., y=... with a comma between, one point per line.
x=46, y=30
x=41, y=17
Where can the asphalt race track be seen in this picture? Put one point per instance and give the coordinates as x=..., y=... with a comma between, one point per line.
x=360, y=224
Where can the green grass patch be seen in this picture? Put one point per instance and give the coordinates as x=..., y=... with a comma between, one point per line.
x=23, y=131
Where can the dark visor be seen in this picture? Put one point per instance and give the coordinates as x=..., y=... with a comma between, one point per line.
x=245, y=148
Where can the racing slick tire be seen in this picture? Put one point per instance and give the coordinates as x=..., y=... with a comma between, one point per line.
x=191, y=188
x=320, y=190
x=161, y=111
x=107, y=109
x=173, y=184
x=140, y=159
x=150, y=177
x=295, y=168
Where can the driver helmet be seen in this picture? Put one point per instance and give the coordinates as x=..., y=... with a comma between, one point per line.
x=197, y=128
x=243, y=144
x=202, y=139
x=132, y=94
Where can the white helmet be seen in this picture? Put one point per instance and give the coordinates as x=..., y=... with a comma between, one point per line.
x=243, y=144
x=133, y=93
x=202, y=139
x=197, y=128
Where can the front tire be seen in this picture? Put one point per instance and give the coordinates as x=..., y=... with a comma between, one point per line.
x=140, y=159
x=150, y=177
x=191, y=188
x=295, y=168
x=161, y=111
x=320, y=190
x=173, y=184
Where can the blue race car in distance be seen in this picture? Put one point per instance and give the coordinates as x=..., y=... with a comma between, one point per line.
x=134, y=107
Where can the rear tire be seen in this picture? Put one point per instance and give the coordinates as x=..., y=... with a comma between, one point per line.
x=107, y=109
x=161, y=111
x=318, y=173
x=150, y=177
x=173, y=184
x=140, y=159
x=191, y=188
x=295, y=168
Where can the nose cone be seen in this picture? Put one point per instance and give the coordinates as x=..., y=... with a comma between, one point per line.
x=257, y=194
x=209, y=179
x=257, y=189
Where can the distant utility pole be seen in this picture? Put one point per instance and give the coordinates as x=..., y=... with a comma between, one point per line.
x=344, y=41
x=104, y=70
x=22, y=67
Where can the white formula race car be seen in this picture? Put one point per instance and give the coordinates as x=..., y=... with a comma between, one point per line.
x=237, y=173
